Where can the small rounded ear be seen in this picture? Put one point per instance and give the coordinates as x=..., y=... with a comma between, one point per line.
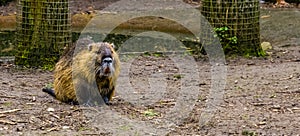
x=112, y=45
x=90, y=47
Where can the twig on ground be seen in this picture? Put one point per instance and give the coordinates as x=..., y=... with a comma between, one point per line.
x=290, y=92
x=2, y=115
x=4, y=96
x=52, y=129
x=7, y=122
x=55, y=116
x=260, y=104
x=9, y=111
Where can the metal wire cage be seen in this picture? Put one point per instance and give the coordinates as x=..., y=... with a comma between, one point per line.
x=236, y=22
x=43, y=30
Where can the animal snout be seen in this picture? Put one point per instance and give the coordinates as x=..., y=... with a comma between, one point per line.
x=107, y=60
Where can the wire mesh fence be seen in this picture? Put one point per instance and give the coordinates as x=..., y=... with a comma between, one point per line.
x=43, y=30
x=236, y=22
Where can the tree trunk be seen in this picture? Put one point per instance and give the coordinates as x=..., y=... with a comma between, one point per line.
x=43, y=29
x=236, y=23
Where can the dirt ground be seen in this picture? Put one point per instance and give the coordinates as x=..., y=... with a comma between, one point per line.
x=261, y=97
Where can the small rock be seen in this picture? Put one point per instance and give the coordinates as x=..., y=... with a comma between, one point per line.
x=65, y=127
x=285, y=52
x=269, y=53
x=286, y=87
x=276, y=107
x=161, y=66
x=262, y=123
x=19, y=128
x=244, y=77
x=266, y=46
x=236, y=81
x=33, y=99
x=250, y=63
x=50, y=109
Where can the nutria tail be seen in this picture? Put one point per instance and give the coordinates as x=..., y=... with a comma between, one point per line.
x=52, y=93
x=49, y=91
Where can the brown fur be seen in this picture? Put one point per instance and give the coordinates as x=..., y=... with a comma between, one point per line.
x=65, y=77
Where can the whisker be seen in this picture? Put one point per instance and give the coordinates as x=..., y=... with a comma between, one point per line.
x=97, y=70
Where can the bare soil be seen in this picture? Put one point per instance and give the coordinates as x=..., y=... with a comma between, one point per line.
x=261, y=97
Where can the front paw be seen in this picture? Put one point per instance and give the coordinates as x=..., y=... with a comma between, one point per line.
x=106, y=100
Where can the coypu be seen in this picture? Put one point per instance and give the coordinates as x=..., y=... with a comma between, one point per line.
x=99, y=64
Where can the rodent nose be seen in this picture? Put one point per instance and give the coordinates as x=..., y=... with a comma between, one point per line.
x=107, y=60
